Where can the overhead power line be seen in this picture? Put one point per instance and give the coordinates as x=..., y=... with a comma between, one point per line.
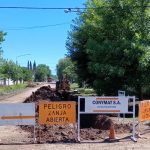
x=63, y=8
x=34, y=27
x=18, y=7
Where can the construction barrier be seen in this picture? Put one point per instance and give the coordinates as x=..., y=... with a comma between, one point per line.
x=17, y=114
x=121, y=93
x=144, y=110
x=105, y=105
x=57, y=112
x=144, y=113
x=64, y=112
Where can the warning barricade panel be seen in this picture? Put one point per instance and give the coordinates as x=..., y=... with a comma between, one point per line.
x=57, y=113
x=144, y=113
x=105, y=105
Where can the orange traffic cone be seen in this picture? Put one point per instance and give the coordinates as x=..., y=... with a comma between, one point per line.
x=112, y=133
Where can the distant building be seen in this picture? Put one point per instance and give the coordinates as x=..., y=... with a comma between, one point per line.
x=8, y=82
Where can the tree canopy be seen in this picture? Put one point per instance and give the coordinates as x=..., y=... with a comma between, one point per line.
x=2, y=36
x=10, y=70
x=42, y=72
x=26, y=74
x=110, y=44
x=1, y=51
x=66, y=67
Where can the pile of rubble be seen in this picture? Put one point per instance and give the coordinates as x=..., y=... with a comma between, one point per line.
x=49, y=94
x=92, y=128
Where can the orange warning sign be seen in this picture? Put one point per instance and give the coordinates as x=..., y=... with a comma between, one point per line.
x=57, y=112
x=144, y=113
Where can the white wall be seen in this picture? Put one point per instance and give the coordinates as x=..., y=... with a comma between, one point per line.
x=8, y=82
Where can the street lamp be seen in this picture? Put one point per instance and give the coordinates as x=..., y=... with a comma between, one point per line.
x=21, y=56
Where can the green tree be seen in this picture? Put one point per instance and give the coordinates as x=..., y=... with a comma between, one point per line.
x=7, y=69
x=66, y=67
x=1, y=63
x=42, y=73
x=2, y=36
x=18, y=74
x=1, y=54
x=27, y=74
x=110, y=45
x=34, y=66
x=30, y=66
x=11, y=71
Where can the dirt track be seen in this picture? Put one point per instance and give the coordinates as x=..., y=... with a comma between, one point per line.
x=11, y=136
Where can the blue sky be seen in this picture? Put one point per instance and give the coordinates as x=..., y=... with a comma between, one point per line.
x=44, y=45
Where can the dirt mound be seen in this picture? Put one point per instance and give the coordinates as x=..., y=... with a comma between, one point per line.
x=98, y=134
x=103, y=122
x=49, y=94
x=44, y=93
x=53, y=133
x=98, y=124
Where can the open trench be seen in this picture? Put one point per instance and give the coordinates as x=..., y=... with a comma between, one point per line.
x=93, y=127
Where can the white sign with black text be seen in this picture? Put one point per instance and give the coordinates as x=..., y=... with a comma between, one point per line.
x=106, y=104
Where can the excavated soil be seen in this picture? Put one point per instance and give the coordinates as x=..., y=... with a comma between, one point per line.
x=93, y=127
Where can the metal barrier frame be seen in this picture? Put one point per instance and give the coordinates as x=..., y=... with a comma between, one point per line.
x=14, y=112
x=132, y=112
